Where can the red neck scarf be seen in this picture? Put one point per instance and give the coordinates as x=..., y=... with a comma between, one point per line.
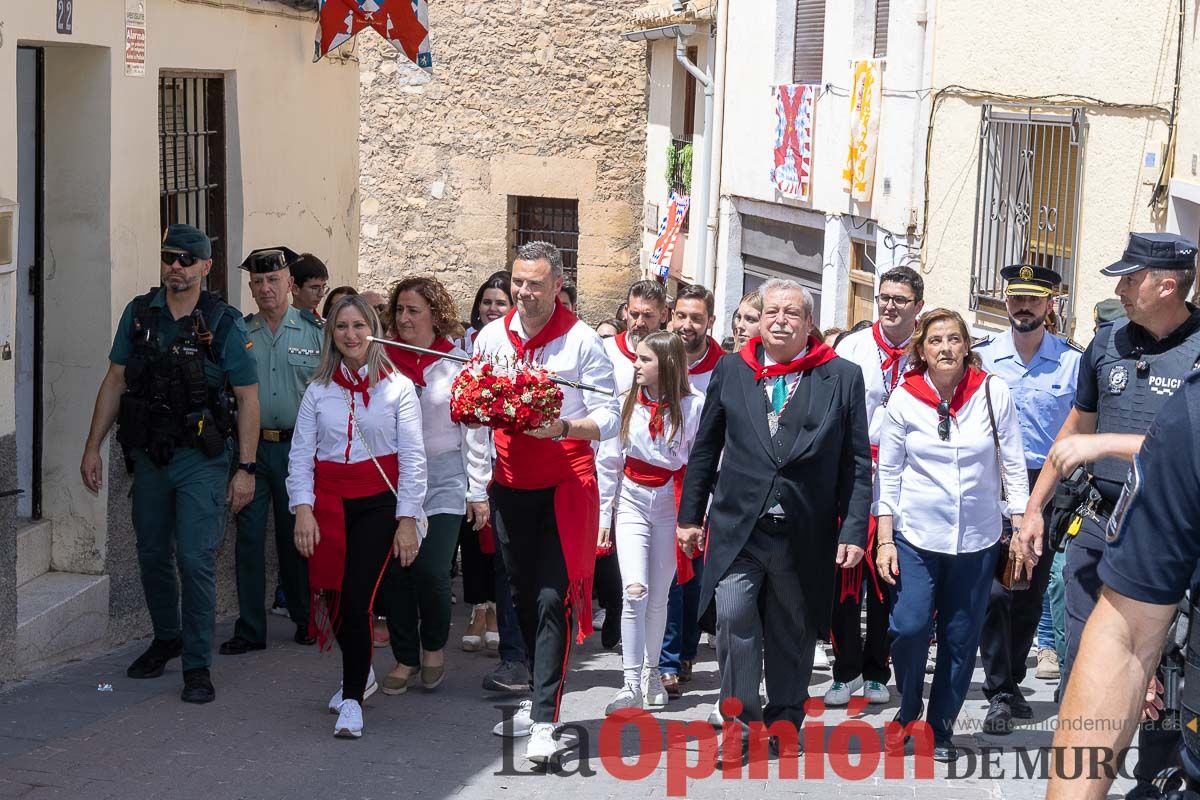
x=561, y=321
x=709, y=362
x=919, y=388
x=893, y=356
x=354, y=383
x=621, y=340
x=658, y=413
x=818, y=353
x=413, y=365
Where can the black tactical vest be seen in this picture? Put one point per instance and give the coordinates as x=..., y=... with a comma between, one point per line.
x=177, y=397
x=1134, y=387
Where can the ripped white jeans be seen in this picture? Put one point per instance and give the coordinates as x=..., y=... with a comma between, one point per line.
x=645, y=539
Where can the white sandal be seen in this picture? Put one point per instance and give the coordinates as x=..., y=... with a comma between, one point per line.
x=472, y=642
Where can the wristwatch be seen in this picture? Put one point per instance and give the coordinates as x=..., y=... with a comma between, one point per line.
x=249, y=467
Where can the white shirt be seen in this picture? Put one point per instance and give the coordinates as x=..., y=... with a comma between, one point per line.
x=390, y=424
x=577, y=355
x=862, y=349
x=945, y=496
x=622, y=366
x=670, y=455
x=459, y=458
x=700, y=380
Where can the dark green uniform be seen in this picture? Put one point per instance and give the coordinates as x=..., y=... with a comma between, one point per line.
x=286, y=359
x=180, y=469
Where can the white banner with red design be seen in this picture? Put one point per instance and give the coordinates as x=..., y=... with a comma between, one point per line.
x=795, y=106
x=668, y=234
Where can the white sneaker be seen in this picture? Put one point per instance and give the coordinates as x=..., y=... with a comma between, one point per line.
x=931, y=660
x=714, y=717
x=519, y=725
x=349, y=723
x=876, y=692
x=335, y=702
x=656, y=693
x=543, y=747
x=839, y=693
x=820, y=660
x=628, y=697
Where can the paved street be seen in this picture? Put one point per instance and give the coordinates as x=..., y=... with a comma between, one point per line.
x=268, y=735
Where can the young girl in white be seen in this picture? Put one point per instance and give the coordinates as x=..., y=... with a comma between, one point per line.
x=641, y=470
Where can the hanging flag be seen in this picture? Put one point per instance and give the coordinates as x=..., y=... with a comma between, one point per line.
x=865, y=100
x=795, y=105
x=404, y=23
x=668, y=233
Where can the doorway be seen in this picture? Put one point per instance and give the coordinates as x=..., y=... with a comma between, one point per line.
x=29, y=279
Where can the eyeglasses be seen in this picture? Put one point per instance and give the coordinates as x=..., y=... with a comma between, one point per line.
x=169, y=257
x=898, y=302
x=943, y=411
x=319, y=289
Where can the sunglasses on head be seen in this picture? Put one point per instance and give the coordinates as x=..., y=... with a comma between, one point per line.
x=185, y=259
x=943, y=411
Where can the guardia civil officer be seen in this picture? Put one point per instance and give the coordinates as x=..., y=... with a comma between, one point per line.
x=179, y=358
x=287, y=348
x=1153, y=550
x=1129, y=371
x=1042, y=370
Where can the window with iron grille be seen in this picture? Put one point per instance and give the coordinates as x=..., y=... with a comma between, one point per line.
x=547, y=219
x=809, y=41
x=882, y=8
x=1029, y=188
x=191, y=161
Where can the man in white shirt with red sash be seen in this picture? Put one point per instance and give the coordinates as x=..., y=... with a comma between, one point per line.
x=547, y=505
x=647, y=311
x=881, y=351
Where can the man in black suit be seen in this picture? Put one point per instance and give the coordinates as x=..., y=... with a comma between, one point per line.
x=793, y=496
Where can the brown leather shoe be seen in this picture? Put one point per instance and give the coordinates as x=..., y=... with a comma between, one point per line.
x=670, y=682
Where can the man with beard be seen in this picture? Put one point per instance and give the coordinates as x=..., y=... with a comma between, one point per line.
x=646, y=311
x=1041, y=370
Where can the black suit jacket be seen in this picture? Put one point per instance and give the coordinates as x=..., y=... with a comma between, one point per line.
x=817, y=467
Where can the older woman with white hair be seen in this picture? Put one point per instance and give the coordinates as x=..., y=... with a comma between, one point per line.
x=356, y=484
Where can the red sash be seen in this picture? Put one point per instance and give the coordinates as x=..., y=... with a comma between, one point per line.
x=709, y=362
x=851, y=580
x=621, y=340
x=918, y=387
x=818, y=353
x=333, y=483
x=413, y=365
x=653, y=476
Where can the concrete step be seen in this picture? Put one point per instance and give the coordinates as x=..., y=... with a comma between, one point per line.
x=33, y=551
x=59, y=614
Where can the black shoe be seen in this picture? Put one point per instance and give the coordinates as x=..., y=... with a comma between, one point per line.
x=151, y=663
x=302, y=636
x=238, y=646
x=999, y=719
x=945, y=752
x=1020, y=709
x=610, y=632
x=732, y=761
x=197, y=686
x=1144, y=791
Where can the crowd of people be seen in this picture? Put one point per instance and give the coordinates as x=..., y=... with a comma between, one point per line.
x=886, y=489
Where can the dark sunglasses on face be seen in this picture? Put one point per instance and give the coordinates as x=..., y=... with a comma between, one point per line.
x=169, y=257
x=943, y=411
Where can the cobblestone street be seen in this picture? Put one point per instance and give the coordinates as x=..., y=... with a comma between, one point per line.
x=268, y=735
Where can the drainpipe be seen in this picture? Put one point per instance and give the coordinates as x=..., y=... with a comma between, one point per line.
x=712, y=228
x=701, y=270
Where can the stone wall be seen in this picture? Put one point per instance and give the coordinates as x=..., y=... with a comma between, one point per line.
x=528, y=98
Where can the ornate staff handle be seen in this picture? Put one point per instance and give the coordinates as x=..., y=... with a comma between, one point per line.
x=587, y=387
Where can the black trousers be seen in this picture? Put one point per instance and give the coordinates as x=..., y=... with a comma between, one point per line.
x=854, y=655
x=370, y=530
x=1010, y=623
x=478, y=574
x=527, y=538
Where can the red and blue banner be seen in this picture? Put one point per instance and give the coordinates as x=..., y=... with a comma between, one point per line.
x=668, y=234
x=403, y=23
x=795, y=105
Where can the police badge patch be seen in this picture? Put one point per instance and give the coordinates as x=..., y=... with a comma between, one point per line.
x=1129, y=493
x=1118, y=379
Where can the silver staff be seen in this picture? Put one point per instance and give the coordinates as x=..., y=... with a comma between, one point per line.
x=587, y=387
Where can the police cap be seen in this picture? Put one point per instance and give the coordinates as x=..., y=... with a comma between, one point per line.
x=1154, y=251
x=1026, y=280
x=182, y=238
x=1108, y=310
x=269, y=259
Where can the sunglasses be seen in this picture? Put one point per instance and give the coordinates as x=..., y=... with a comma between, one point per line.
x=169, y=257
x=943, y=411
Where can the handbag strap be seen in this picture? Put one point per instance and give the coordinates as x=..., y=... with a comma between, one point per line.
x=987, y=391
x=363, y=441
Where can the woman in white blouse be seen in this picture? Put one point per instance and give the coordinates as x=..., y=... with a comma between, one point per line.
x=356, y=483
x=942, y=488
x=416, y=598
x=641, y=470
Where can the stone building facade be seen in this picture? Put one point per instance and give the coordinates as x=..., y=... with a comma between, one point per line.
x=534, y=120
